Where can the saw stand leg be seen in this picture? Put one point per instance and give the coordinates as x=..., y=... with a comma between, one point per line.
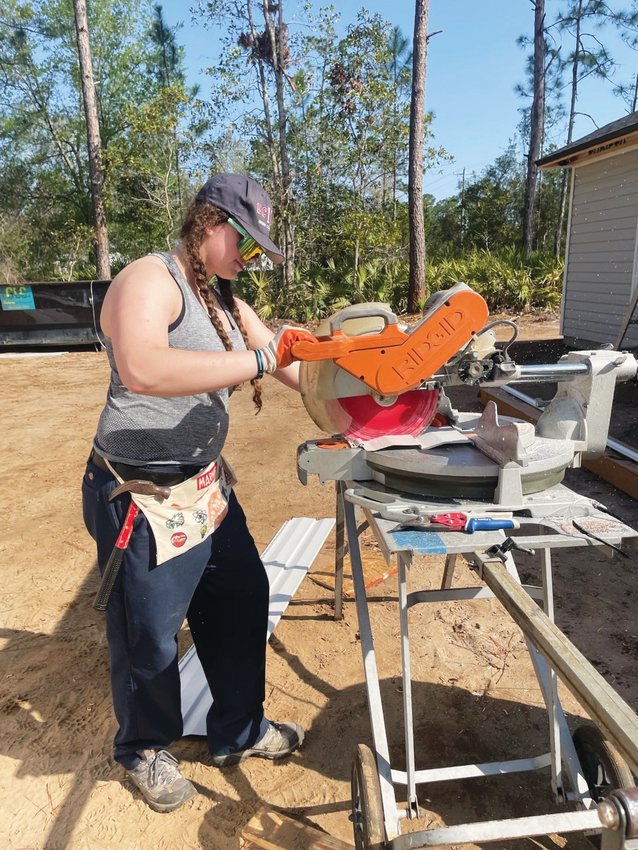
x=448, y=572
x=548, y=682
x=403, y=562
x=554, y=710
x=375, y=705
x=562, y=750
x=340, y=550
x=341, y=547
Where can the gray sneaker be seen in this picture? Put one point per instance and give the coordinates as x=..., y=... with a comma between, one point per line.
x=279, y=740
x=158, y=778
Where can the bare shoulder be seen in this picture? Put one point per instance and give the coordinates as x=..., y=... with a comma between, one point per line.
x=245, y=309
x=143, y=269
x=248, y=315
x=145, y=286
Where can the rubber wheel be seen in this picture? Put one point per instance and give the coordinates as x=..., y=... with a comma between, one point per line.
x=604, y=769
x=367, y=808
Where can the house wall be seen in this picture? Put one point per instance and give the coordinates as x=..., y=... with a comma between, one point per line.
x=601, y=268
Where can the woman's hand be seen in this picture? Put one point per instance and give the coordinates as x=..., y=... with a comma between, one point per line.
x=278, y=353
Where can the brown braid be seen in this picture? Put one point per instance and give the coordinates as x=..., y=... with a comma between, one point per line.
x=226, y=292
x=199, y=218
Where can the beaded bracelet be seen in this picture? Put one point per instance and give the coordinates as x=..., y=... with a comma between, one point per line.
x=260, y=364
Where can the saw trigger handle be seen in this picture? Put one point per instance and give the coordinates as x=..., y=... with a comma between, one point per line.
x=359, y=311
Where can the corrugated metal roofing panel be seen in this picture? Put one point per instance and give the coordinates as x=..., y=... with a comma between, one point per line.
x=287, y=559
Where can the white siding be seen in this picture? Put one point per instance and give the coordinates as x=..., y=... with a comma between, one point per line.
x=602, y=245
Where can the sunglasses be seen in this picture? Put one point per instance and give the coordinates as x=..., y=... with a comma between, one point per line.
x=247, y=247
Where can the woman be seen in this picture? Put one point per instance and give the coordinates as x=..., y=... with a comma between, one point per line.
x=177, y=347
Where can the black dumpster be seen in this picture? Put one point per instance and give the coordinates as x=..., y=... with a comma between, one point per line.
x=51, y=313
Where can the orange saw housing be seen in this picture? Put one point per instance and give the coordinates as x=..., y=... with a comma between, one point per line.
x=395, y=361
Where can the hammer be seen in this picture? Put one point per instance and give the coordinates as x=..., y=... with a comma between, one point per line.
x=112, y=568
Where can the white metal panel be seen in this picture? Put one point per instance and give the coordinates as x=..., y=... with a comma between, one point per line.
x=600, y=270
x=287, y=559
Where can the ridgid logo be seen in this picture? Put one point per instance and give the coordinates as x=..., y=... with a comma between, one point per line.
x=264, y=212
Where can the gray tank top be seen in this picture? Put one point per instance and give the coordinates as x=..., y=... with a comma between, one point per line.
x=139, y=429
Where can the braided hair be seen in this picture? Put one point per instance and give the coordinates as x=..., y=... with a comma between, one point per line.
x=199, y=218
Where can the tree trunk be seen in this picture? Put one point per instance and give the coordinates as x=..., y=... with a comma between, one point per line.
x=416, y=286
x=103, y=263
x=536, y=126
x=558, y=241
x=263, y=90
x=286, y=200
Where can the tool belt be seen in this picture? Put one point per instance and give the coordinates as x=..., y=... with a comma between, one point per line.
x=182, y=508
x=128, y=471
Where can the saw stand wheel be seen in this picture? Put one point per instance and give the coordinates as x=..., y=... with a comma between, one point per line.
x=367, y=807
x=604, y=769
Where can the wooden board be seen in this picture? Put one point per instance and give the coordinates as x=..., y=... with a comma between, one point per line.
x=273, y=831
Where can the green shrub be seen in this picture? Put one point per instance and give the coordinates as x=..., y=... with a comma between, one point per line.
x=507, y=280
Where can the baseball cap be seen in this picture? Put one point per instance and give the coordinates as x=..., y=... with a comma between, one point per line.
x=245, y=201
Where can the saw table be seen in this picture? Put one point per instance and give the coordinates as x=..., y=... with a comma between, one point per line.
x=377, y=817
x=379, y=389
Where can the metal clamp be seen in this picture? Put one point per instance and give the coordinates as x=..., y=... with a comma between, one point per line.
x=500, y=550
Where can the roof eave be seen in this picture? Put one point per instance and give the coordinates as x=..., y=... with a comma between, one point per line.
x=586, y=153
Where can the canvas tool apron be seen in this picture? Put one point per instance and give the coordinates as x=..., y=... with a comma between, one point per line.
x=190, y=513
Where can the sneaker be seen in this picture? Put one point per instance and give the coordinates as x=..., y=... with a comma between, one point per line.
x=158, y=778
x=279, y=740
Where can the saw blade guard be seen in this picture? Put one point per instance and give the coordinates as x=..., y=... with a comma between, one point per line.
x=396, y=359
x=339, y=403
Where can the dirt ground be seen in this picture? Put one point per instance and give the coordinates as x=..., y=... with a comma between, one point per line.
x=475, y=694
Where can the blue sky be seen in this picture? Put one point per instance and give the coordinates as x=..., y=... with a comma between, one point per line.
x=473, y=67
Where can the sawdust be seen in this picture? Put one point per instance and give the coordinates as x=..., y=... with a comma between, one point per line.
x=475, y=694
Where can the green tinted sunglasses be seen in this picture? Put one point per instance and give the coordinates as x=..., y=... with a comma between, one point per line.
x=247, y=247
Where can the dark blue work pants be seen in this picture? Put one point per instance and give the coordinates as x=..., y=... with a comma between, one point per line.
x=220, y=587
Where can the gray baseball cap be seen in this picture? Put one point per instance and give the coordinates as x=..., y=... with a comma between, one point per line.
x=245, y=201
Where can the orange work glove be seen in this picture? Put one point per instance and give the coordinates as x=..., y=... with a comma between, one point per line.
x=278, y=353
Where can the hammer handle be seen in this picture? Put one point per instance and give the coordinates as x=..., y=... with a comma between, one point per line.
x=116, y=557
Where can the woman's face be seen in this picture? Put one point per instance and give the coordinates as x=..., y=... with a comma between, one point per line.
x=220, y=253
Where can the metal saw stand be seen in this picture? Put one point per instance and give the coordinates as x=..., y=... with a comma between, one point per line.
x=376, y=815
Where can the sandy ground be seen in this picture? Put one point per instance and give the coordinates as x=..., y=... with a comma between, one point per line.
x=475, y=695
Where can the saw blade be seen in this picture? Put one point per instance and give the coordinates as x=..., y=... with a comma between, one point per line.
x=339, y=404
x=410, y=414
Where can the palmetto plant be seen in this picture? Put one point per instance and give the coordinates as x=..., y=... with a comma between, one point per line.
x=506, y=280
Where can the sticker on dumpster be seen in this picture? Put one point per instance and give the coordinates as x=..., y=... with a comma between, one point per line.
x=17, y=297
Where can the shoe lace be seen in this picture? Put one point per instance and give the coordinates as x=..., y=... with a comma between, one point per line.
x=162, y=769
x=273, y=735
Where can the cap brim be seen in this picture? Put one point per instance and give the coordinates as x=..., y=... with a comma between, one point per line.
x=265, y=242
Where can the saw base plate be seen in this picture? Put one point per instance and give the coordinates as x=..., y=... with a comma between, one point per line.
x=462, y=471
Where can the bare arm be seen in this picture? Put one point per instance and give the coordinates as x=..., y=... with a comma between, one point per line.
x=139, y=306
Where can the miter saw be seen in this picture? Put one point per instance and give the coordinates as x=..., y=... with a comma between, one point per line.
x=431, y=480
x=378, y=388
